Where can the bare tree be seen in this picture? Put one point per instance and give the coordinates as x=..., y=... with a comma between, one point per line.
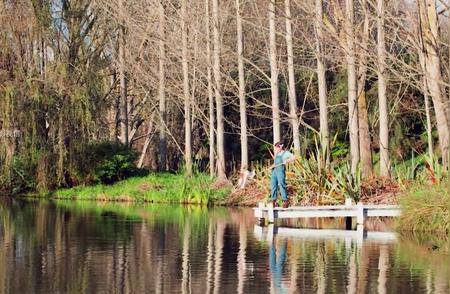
x=187, y=96
x=148, y=139
x=162, y=91
x=274, y=73
x=363, y=116
x=242, y=100
x=352, y=98
x=212, y=133
x=218, y=92
x=291, y=87
x=321, y=81
x=123, y=81
x=382, y=99
x=430, y=33
x=427, y=101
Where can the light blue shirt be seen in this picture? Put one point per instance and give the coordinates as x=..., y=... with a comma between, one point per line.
x=281, y=157
x=286, y=155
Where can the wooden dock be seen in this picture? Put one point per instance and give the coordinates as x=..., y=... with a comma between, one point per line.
x=359, y=211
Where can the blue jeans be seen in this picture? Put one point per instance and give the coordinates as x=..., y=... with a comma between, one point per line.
x=278, y=179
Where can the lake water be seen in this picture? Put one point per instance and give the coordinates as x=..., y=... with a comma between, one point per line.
x=86, y=247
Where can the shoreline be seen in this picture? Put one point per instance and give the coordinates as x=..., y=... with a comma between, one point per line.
x=425, y=207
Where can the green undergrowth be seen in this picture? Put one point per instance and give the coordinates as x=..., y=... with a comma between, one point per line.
x=158, y=188
x=426, y=208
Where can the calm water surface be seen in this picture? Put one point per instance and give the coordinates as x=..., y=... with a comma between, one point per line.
x=84, y=247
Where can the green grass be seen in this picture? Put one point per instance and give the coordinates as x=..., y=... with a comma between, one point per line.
x=160, y=188
x=426, y=208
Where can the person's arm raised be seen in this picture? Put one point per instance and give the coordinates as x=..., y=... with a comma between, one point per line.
x=289, y=159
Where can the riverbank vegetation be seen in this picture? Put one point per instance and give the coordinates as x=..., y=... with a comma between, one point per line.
x=93, y=92
x=311, y=182
x=160, y=188
x=426, y=208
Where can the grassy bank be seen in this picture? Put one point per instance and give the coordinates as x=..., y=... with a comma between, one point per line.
x=426, y=208
x=160, y=188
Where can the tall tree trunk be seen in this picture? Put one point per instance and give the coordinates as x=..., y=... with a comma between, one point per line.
x=218, y=93
x=291, y=91
x=382, y=99
x=123, y=83
x=274, y=74
x=186, y=93
x=162, y=93
x=363, y=117
x=147, y=141
x=212, y=133
x=429, y=127
x=430, y=29
x=427, y=104
x=242, y=101
x=322, y=83
x=114, y=116
x=352, y=99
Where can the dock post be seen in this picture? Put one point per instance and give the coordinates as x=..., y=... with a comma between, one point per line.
x=360, y=214
x=348, y=201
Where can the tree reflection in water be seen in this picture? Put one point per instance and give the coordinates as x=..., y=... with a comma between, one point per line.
x=77, y=247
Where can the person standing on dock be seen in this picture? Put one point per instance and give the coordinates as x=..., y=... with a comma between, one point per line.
x=278, y=177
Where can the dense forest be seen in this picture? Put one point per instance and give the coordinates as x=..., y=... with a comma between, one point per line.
x=209, y=85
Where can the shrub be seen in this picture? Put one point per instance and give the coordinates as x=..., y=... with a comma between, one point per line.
x=105, y=162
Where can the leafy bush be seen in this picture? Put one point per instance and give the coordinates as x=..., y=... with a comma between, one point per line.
x=105, y=162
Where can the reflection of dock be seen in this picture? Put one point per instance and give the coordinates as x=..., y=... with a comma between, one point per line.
x=359, y=211
x=358, y=235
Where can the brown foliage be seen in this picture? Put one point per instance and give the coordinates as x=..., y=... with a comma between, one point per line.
x=379, y=191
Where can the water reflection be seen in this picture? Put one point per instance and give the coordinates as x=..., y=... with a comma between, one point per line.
x=340, y=261
x=241, y=259
x=277, y=258
x=55, y=247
